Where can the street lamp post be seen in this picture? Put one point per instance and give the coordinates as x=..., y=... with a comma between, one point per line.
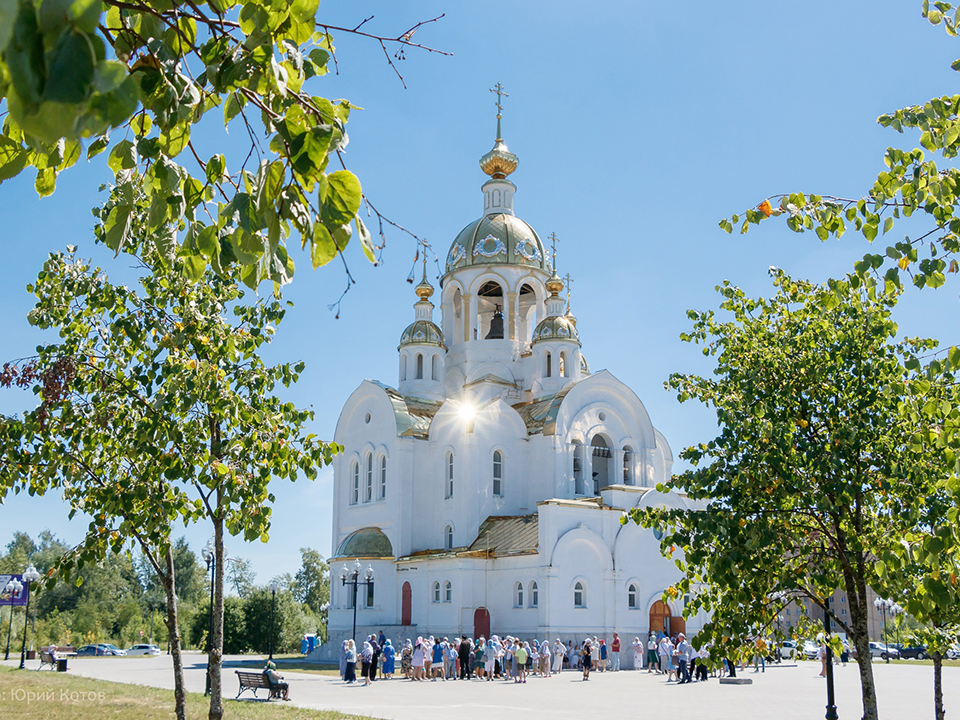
x=210, y=557
x=12, y=589
x=831, y=701
x=353, y=579
x=30, y=575
x=895, y=610
x=324, y=615
x=273, y=615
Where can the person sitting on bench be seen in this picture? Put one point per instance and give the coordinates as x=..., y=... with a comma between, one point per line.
x=276, y=679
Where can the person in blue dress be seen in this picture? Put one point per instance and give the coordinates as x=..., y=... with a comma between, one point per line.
x=388, y=659
x=437, y=659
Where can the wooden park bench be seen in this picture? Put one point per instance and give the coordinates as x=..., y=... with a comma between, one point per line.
x=256, y=681
x=46, y=658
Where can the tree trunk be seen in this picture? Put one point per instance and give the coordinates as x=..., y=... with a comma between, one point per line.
x=173, y=631
x=857, y=600
x=216, y=643
x=938, y=713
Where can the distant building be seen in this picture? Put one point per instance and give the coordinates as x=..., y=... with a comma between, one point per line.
x=486, y=489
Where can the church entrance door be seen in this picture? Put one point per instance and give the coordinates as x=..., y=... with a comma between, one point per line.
x=406, y=602
x=481, y=623
x=660, y=618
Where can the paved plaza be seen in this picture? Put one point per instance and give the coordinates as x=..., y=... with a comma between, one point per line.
x=787, y=692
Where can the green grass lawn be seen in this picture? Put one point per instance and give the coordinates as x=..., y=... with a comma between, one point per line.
x=33, y=695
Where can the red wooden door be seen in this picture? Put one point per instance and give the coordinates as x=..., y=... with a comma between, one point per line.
x=481, y=623
x=405, y=608
x=660, y=617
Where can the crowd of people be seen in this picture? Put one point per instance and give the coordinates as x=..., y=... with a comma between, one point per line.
x=510, y=658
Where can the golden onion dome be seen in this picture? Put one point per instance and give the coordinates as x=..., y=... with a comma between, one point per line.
x=554, y=285
x=424, y=290
x=422, y=332
x=556, y=328
x=499, y=162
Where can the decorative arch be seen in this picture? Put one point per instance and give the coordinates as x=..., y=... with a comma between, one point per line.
x=628, y=471
x=602, y=456
x=419, y=372
x=435, y=366
x=583, y=537
x=406, y=604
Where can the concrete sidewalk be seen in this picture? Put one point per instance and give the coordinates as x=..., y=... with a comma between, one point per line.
x=789, y=692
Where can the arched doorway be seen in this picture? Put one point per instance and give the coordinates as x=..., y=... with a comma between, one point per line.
x=481, y=623
x=405, y=606
x=660, y=618
x=601, y=461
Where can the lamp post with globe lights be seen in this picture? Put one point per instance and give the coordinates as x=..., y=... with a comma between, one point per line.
x=887, y=607
x=353, y=579
x=210, y=558
x=11, y=590
x=30, y=575
x=324, y=616
x=273, y=614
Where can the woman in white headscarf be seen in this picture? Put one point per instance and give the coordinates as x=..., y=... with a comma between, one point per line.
x=418, y=653
x=559, y=650
x=637, y=654
x=366, y=658
x=545, y=658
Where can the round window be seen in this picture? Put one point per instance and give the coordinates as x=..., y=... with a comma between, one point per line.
x=490, y=246
x=602, y=416
x=366, y=418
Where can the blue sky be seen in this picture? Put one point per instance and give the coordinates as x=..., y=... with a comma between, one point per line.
x=638, y=126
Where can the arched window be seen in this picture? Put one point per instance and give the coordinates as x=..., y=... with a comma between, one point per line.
x=627, y=466
x=419, y=366
x=534, y=594
x=457, y=316
x=563, y=364
x=518, y=595
x=403, y=367
x=549, y=366
x=368, y=490
x=448, y=480
x=632, y=596
x=447, y=592
x=370, y=595
x=435, y=368
x=448, y=538
x=497, y=473
x=436, y=592
x=355, y=490
x=579, y=595
x=579, y=462
x=383, y=476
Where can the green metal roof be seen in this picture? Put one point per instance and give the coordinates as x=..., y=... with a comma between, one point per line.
x=508, y=535
x=366, y=542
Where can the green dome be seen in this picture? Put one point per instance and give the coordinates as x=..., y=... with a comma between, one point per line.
x=556, y=328
x=498, y=239
x=422, y=332
x=366, y=542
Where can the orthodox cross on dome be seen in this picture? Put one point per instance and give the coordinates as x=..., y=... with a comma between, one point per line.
x=553, y=244
x=501, y=93
x=569, y=282
x=423, y=242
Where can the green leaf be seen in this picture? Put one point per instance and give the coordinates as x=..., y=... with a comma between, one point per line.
x=8, y=15
x=25, y=61
x=232, y=107
x=366, y=240
x=215, y=167
x=174, y=141
x=323, y=249
x=13, y=158
x=887, y=224
x=122, y=157
x=343, y=197
x=117, y=226
x=46, y=181
x=70, y=69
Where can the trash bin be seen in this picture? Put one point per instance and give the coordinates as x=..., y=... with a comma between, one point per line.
x=62, y=665
x=31, y=654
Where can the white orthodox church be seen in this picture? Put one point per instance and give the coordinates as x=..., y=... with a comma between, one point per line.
x=485, y=489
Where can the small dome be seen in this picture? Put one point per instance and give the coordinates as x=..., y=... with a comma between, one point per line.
x=366, y=542
x=556, y=328
x=500, y=239
x=554, y=285
x=422, y=332
x=424, y=290
x=499, y=162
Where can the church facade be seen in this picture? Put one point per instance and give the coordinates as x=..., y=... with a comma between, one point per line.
x=485, y=489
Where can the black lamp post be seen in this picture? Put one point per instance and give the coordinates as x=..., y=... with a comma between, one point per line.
x=12, y=589
x=273, y=614
x=353, y=579
x=831, y=703
x=210, y=557
x=30, y=576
